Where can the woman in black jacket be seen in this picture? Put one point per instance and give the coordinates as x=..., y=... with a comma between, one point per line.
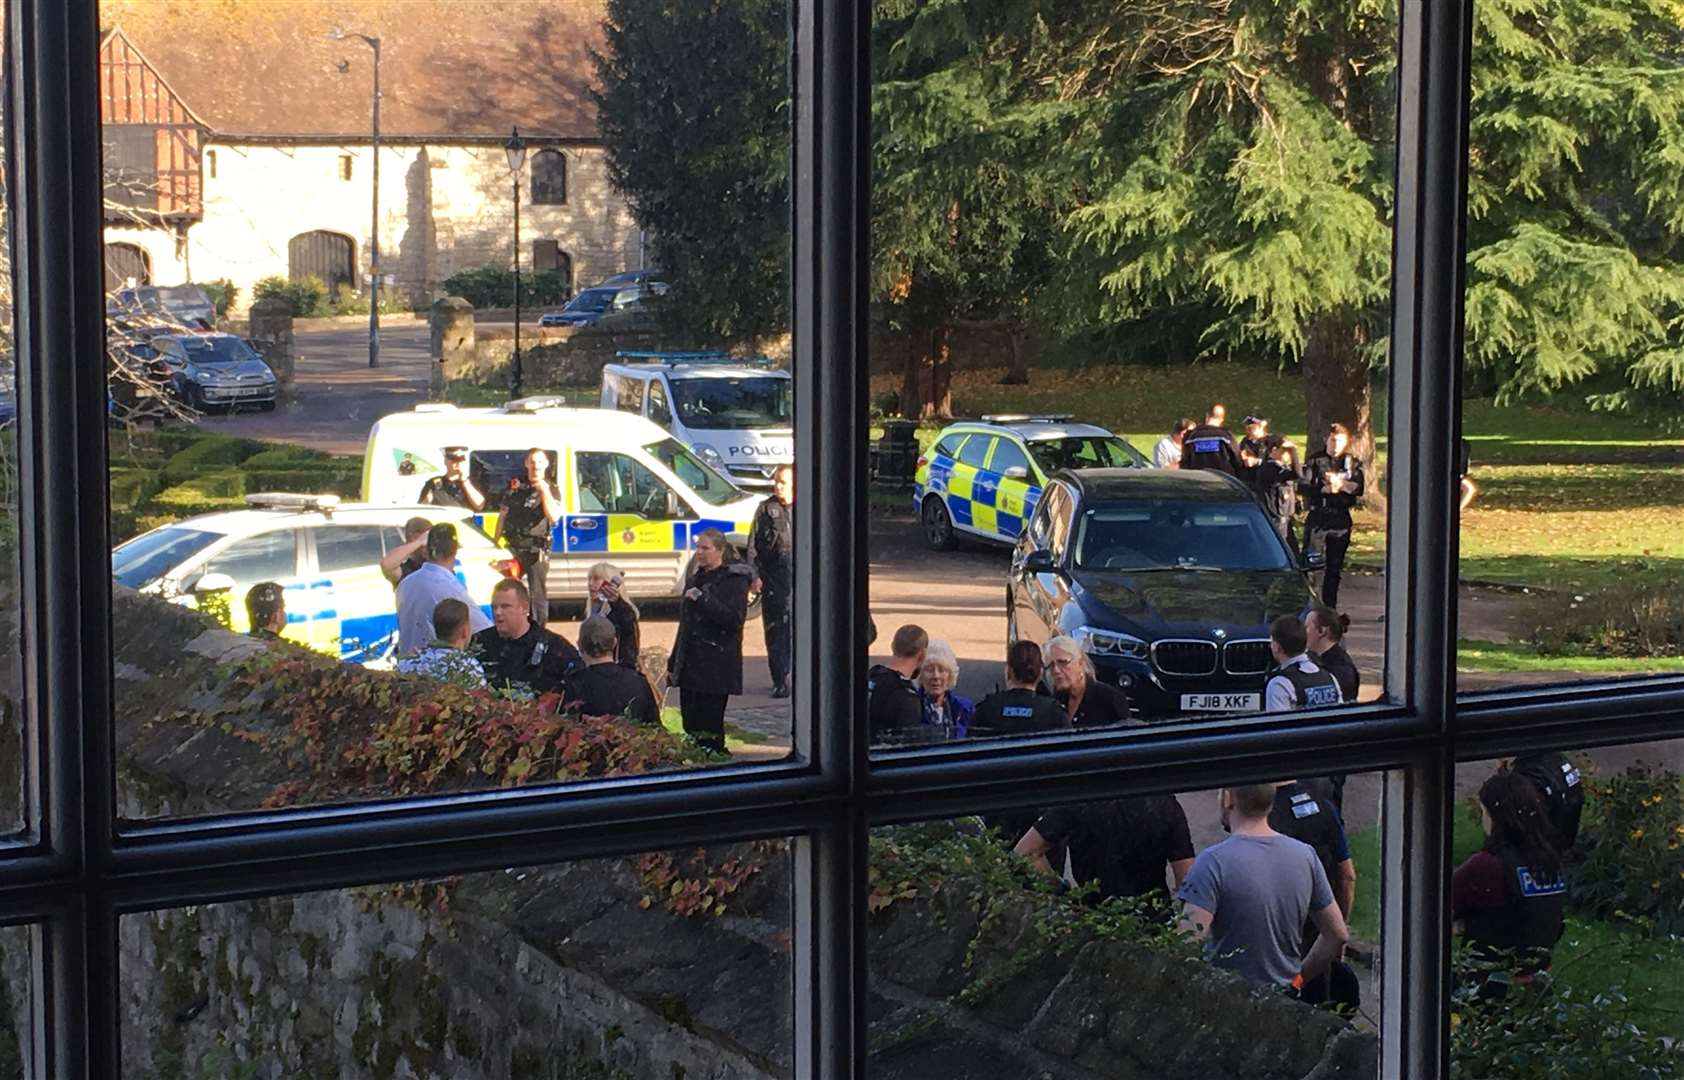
x=707, y=655
x=605, y=596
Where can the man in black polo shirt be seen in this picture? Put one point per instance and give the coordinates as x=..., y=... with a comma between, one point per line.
x=1210, y=446
x=1020, y=708
x=519, y=654
x=529, y=512
x=894, y=703
x=410, y=555
x=454, y=488
x=606, y=687
x=1122, y=844
x=1300, y=813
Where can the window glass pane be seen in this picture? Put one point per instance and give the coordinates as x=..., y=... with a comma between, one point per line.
x=1046, y=942
x=12, y=751
x=1572, y=522
x=16, y=1026
x=1566, y=897
x=1086, y=230
x=276, y=340
x=347, y=547
x=607, y=968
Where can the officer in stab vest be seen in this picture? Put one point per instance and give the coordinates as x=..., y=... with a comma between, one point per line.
x=1298, y=682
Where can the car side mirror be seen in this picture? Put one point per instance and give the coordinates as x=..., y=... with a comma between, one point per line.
x=1039, y=561
x=1313, y=560
x=1016, y=472
x=213, y=583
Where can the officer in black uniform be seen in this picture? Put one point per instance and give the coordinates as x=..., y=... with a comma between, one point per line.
x=771, y=550
x=1562, y=789
x=1020, y=708
x=1333, y=482
x=1298, y=682
x=1121, y=845
x=1301, y=814
x=454, y=488
x=266, y=608
x=516, y=651
x=1210, y=446
x=1255, y=447
x=529, y=512
x=894, y=704
x=606, y=687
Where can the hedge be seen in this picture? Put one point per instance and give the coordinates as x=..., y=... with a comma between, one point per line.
x=210, y=451
x=132, y=486
x=285, y=457
x=206, y=494
x=343, y=480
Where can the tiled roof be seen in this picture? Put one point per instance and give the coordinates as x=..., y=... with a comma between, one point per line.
x=448, y=67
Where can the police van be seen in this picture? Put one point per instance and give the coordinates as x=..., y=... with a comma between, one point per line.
x=630, y=492
x=325, y=556
x=735, y=413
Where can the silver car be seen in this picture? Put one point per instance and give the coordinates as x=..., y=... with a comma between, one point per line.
x=216, y=369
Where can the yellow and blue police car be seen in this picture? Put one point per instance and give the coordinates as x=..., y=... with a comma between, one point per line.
x=982, y=478
x=630, y=492
x=325, y=556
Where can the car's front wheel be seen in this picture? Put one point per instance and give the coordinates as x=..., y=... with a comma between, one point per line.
x=938, y=526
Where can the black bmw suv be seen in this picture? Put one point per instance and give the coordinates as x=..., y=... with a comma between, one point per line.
x=1168, y=579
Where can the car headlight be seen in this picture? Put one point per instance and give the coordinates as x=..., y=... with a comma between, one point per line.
x=1099, y=642
x=710, y=455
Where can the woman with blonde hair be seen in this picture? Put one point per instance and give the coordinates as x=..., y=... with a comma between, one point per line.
x=943, y=706
x=605, y=596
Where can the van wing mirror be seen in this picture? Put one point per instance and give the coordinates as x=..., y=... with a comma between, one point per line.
x=1016, y=472
x=213, y=583
x=1039, y=561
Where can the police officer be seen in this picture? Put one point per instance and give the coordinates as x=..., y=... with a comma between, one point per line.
x=1120, y=845
x=1019, y=708
x=454, y=488
x=1298, y=682
x=1333, y=482
x=1210, y=446
x=526, y=524
x=1299, y=813
x=894, y=706
x=1255, y=447
x=520, y=653
x=266, y=608
x=1562, y=790
x=1275, y=482
x=772, y=553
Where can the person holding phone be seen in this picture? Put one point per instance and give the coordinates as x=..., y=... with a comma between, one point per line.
x=605, y=596
x=1333, y=482
x=454, y=488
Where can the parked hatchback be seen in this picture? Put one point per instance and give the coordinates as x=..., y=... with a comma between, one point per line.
x=1169, y=580
x=186, y=305
x=212, y=369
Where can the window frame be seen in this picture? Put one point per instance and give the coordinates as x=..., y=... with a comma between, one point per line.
x=555, y=161
x=77, y=867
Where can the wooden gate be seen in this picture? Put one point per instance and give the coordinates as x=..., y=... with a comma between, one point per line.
x=327, y=255
x=125, y=261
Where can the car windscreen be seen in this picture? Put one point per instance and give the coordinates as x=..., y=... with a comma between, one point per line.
x=591, y=301
x=492, y=471
x=1168, y=535
x=145, y=559
x=184, y=295
x=696, y=473
x=1084, y=452
x=217, y=350
x=744, y=404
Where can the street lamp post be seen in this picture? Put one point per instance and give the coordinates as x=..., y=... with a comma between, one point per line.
x=374, y=218
x=516, y=149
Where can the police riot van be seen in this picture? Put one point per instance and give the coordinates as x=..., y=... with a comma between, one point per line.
x=630, y=492
x=733, y=412
x=324, y=555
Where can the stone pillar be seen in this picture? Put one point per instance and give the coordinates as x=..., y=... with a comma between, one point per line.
x=452, y=323
x=271, y=333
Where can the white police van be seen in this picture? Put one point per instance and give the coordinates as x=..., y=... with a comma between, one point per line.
x=733, y=412
x=630, y=492
x=325, y=556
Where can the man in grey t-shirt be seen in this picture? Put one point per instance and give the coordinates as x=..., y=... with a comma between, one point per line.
x=1249, y=896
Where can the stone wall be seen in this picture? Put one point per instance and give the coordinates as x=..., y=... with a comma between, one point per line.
x=561, y=972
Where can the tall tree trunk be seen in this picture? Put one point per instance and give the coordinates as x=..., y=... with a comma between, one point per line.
x=938, y=404
x=1017, y=369
x=1338, y=390
x=912, y=375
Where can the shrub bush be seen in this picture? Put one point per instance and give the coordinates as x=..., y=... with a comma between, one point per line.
x=204, y=494
x=1633, y=834
x=347, y=301
x=494, y=287
x=1622, y=620
x=306, y=296
x=338, y=478
x=131, y=487
x=285, y=457
x=208, y=452
x=222, y=293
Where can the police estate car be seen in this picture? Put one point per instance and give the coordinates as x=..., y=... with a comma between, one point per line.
x=983, y=478
x=325, y=556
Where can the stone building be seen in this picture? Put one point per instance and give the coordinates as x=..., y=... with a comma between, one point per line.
x=238, y=142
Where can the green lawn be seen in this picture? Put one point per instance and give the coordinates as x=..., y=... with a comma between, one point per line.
x=1593, y=956
x=1491, y=656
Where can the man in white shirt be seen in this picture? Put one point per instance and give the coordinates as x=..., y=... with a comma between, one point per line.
x=1298, y=682
x=1167, y=454
x=419, y=593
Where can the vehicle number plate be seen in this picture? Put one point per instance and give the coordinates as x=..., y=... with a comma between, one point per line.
x=1222, y=702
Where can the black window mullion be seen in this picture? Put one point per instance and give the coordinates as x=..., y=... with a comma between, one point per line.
x=831, y=209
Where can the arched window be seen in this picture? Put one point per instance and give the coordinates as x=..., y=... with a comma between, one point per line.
x=549, y=178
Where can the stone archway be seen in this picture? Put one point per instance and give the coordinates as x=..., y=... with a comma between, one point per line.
x=330, y=256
